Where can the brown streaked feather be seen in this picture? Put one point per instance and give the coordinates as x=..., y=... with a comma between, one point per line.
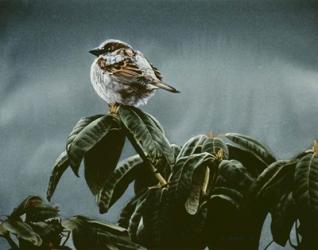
x=156, y=71
x=125, y=68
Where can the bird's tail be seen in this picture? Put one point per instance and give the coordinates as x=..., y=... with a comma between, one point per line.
x=165, y=86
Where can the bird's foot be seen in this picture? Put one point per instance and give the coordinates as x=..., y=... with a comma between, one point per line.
x=113, y=108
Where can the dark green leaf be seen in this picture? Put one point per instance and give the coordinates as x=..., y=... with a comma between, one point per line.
x=152, y=220
x=91, y=142
x=101, y=160
x=275, y=181
x=252, y=145
x=79, y=126
x=203, y=143
x=93, y=234
x=233, y=174
x=117, y=183
x=306, y=183
x=253, y=164
x=30, y=202
x=128, y=210
x=176, y=150
x=283, y=218
x=146, y=135
x=136, y=217
x=22, y=230
x=187, y=177
x=61, y=164
x=80, y=143
x=225, y=195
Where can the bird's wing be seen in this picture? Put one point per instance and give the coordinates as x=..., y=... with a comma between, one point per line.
x=125, y=68
x=156, y=71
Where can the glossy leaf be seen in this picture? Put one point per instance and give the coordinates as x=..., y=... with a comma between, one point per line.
x=29, y=203
x=232, y=174
x=253, y=164
x=100, y=142
x=61, y=164
x=136, y=216
x=152, y=217
x=79, y=126
x=145, y=134
x=203, y=143
x=306, y=183
x=275, y=181
x=117, y=182
x=81, y=142
x=252, y=145
x=226, y=195
x=283, y=217
x=187, y=180
x=129, y=209
x=93, y=234
x=22, y=230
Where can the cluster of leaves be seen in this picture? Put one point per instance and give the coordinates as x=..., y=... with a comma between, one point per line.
x=192, y=196
x=288, y=189
x=43, y=229
x=213, y=191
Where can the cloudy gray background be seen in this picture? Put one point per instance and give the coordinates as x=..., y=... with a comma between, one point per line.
x=242, y=66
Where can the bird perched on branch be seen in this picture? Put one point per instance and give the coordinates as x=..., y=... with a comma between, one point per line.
x=122, y=75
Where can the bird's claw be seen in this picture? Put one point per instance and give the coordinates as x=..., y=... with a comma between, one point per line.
x=113, y=108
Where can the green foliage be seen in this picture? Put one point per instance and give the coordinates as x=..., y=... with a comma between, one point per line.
x=283, y=217
x=305, y=190
x=146, y=135
x=117, y=183
x=210, y=192
x=249, y=144
x=93, y=234
x=61, y=164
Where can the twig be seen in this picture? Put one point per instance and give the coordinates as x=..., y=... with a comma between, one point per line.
x=139, y=150
x=206, y=181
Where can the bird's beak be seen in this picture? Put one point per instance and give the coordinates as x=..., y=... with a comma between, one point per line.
x=96, y=51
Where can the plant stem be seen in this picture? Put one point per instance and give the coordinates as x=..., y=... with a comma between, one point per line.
x=139, y=150
x=206, y=181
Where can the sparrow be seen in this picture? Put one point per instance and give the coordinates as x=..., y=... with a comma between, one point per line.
x=122, y=75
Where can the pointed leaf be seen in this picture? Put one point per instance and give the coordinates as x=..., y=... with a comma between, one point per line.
x=117, y=182
x=275, y=181
x=225, y=195
x=187, y=175
x=129, y=209
x=22, y=230
x=283, y=218
x=136, y=218
x=93, y=234
x=146, y=134
x=102, y=158
x=306, y=184
x=203, y=143
x=30, y=202
x=233, y=174
x=79, y=126
x=89, y=137
x=152, y=220
x=61, y=164
x=250, y=144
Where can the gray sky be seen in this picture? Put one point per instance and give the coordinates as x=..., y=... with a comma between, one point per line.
x=242, y=66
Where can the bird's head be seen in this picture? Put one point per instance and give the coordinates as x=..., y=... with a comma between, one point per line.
x=109, y=46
